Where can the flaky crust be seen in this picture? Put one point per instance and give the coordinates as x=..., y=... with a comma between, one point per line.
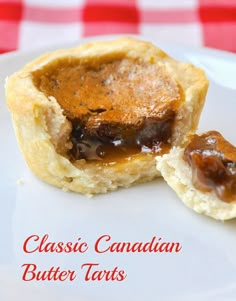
x=39, y=122
x=178, y=175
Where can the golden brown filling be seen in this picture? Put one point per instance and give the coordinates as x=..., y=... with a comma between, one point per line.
x=213, y=162
x=117, y=107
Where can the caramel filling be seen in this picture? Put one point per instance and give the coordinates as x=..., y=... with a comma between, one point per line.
x=213, y=163
x=118, y=107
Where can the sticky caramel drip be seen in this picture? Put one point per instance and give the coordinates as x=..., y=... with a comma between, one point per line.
x=151, y=138
x=213, y=163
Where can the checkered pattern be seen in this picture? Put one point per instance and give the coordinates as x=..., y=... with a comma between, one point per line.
x=26, y=24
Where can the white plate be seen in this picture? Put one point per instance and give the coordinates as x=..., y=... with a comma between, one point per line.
x=205, y=268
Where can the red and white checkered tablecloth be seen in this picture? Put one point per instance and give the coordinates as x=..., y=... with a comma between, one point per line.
x=26, y=24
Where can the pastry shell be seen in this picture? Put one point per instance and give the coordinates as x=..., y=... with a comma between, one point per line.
x=178, y=175
x=39, y=121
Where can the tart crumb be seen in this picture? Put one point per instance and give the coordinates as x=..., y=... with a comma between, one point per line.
x=20, y=181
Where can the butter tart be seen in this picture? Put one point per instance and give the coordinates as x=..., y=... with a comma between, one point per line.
x=93, y=118
x=203, y=174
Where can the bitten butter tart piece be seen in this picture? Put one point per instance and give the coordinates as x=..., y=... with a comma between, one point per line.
x=203, y=174
x=93, y=118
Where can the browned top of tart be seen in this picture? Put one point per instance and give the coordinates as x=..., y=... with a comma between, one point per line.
x=118, y=105
x=213, y=161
